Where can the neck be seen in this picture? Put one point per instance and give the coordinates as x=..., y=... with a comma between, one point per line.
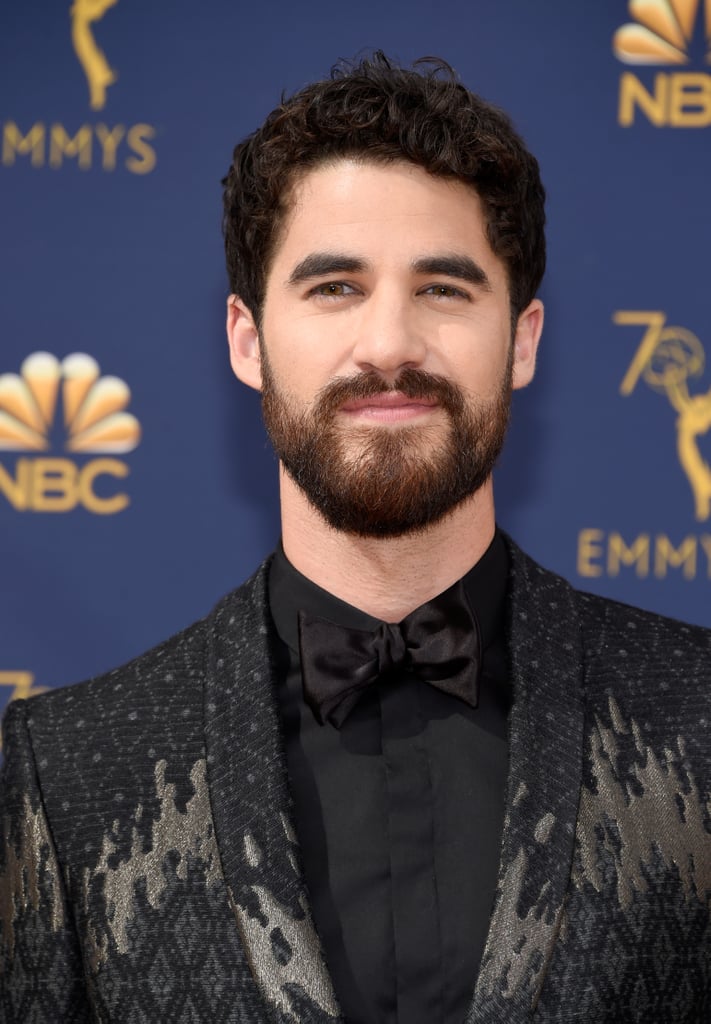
x=385, y=577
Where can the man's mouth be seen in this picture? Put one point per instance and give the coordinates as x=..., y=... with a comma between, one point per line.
x=388, y=407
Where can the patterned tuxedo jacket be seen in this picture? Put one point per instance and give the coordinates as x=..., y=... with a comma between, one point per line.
x=150, y=872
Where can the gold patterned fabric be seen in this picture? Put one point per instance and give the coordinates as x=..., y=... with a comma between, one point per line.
x=148, y=863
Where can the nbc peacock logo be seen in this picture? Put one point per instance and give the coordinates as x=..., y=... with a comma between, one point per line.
x=675, y=33
x=94, y=407
x=661, y=33
x=93, y=420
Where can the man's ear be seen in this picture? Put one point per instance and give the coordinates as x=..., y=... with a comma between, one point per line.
x=243, y=339
x=528, y=333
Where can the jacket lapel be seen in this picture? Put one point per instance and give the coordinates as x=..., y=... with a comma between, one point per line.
x=545, y=772
x=252, y=812
x=253, y=819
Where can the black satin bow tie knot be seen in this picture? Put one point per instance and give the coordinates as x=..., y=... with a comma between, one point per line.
x=440, y=642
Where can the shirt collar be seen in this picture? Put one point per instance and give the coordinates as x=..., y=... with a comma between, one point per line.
x=290, y=592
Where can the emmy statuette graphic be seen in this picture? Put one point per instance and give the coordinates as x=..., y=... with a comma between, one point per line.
x=667, y=358
x=92, y=58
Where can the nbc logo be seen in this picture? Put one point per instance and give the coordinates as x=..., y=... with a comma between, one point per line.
x=666, y=32
x=94, y=421
x=93, y=406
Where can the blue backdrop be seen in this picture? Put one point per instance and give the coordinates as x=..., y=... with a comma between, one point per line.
x=136, y=484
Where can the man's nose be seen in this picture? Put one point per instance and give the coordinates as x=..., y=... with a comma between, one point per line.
x=389, y=338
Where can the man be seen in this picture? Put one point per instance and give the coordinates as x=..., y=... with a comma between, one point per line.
x=403, y=774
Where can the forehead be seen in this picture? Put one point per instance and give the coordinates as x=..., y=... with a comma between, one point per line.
x=381, y=211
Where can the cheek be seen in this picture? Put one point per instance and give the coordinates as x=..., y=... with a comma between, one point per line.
x=479, y=363
x=305, y=354
x=294, y=369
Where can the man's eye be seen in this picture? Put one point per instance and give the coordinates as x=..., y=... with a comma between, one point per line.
x=332, y=289
x=446, y=291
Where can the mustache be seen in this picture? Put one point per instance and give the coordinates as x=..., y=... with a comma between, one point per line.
x=411, y=383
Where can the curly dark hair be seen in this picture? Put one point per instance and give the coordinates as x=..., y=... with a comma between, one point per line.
x=378, y=111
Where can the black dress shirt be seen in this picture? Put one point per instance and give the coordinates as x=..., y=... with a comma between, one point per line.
x=399, y=813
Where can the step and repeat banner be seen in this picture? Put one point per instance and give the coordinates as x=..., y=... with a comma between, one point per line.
x=136, y=483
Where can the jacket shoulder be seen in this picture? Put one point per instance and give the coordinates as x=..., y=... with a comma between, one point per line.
x=165, y=675
x=639, y=674
x=612, y=628
x=651, y=670
x=104, y=747
x=604, y=622
x=163, y=671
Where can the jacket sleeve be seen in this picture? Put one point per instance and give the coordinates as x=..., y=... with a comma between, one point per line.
x=41, y=973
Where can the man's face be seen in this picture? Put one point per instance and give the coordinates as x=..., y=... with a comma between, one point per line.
x=385, y=360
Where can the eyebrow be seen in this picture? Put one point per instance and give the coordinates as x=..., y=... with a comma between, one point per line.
x=453, y=265
x=319, y=264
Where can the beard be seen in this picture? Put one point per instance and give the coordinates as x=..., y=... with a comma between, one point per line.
x=386, y=481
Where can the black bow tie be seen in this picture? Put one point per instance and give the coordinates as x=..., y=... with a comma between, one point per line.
x=440, y=642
